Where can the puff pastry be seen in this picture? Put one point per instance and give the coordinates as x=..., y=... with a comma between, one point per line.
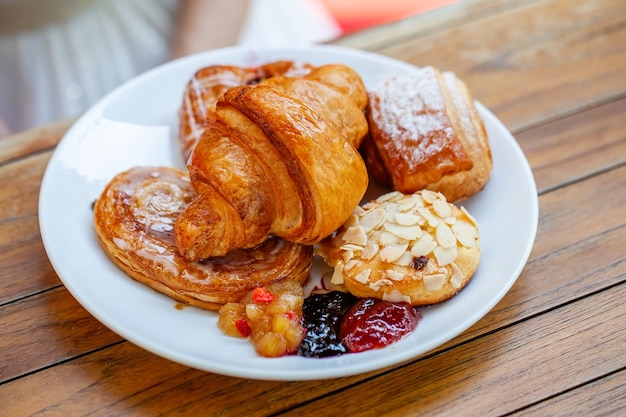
x=270, y=162
x=134, y=220
x=426, y=133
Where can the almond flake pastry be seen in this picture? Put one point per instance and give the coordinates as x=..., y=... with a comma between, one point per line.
x=416, y=248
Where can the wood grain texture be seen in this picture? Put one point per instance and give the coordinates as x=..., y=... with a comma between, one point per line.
x=25, y=266
x=33, y=140
x=573, y=272
x=553, y=71
x=559, y=57
x=53, y=319
x=600, y=397
x=510, y=365
x=577, y=146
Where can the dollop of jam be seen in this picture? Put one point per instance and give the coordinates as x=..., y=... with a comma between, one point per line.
x=322, y=314
x=372, y=323
x=338, y=322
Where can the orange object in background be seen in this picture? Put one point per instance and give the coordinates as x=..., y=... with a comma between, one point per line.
x=354, y=15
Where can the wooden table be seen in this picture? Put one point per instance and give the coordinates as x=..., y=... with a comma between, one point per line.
x=554, y=71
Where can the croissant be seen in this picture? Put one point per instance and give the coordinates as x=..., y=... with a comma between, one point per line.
x=134, y=219
x=210, y=83
x=276, y=159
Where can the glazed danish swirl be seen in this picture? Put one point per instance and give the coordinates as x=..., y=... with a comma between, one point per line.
x=278, y=158
x=134, y=219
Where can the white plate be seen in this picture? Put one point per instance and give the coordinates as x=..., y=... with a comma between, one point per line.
x=137, y=124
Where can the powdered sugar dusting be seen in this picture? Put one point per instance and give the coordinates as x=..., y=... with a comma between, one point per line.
x=410, y=108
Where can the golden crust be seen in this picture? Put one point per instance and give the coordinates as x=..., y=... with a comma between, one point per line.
x=415, y=248
x=210, y=83
x=134, y=220
x=427, y=134
x=274, y=160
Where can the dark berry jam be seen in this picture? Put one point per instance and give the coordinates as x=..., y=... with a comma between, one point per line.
x=322, y=314
x=373, y=323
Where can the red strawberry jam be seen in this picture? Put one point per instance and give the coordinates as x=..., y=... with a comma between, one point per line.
x=373, y=323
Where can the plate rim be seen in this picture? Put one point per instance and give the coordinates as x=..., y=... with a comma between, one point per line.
x=88, y=118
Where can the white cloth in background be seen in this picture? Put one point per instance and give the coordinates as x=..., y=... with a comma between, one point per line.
x=288, y=23
x=59, y=70
x=69, y=53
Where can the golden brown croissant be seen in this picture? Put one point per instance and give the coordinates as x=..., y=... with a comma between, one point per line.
x=210, y=83
x=269, y=164
x=425, y=132
x=134, y=220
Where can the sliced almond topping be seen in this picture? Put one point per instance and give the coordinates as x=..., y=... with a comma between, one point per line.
x=395, y=296
x=423, y=247
x=407, y=219
x=370, y=250
x=394, y=275
x=406, y=204
x=405, y=259
x=391, y=209
x=373, y=219
x=328, y=284
x=387, y=239
x=450, y=220
x=391, y=196
x=469, y=216
x=337, y=277
x=347, y=255
x=364, y=276
x=352, y=247
x=350, y=264
x=432, y=220
x=444, y=236
x=445, y=256
x=370, y=205
x=457, y=276
x=393, y=252
x=404, y=232
x=465, y=233
x=419, y=200
x=355, y=235
x=429, y=196
x=442, y=208
x=380, y=283
x=353, y=220
x=427, y=237
x=434, y=282
x=358, y=211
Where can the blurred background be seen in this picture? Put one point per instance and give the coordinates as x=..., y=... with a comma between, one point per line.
x=58, y=57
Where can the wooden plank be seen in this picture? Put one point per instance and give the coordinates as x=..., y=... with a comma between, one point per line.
x=33, y=140
x=573, y=214
x=53, y=319
x=127, y=380
x=497, y=61
x=510, y=364
x=23, y=261
x=562, y=268
x=602, y=397
x=577, y=146
x=575, y=268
